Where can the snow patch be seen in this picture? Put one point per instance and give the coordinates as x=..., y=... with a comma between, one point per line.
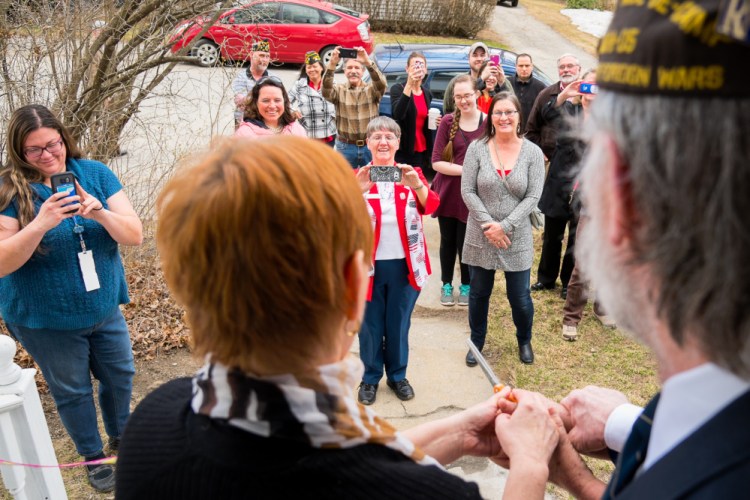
x=594, y=22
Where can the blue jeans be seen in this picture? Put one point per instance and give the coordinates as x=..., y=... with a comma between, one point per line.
x=521, y=306
x=357, y=156
x=68, y=358
x=384, y=337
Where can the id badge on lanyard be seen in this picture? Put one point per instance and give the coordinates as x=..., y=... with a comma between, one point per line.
x=86, y=260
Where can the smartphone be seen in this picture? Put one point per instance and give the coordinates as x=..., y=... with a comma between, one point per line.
x=385, y=174
x=588, y=88
x=348, y=53
x=495, y=59
x=64, y=183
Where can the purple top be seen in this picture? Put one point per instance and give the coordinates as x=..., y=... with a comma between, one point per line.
x=448, y=187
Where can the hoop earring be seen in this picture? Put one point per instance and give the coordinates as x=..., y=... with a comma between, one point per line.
x=518, y=130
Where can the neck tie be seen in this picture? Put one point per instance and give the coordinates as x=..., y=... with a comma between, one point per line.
x=634, y=452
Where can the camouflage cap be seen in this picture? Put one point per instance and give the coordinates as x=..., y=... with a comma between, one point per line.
x=312, y=57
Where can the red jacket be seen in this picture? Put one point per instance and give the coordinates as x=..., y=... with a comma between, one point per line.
x=401, y=195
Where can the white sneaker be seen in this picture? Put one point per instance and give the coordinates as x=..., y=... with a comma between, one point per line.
x=569, y=333
x=606, y=321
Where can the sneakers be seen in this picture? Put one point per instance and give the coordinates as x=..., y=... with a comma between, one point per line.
x=605, y=320
x=570, y=333
x=402, y=388
x=367, y=393
x=446, y=296
x=463, y=295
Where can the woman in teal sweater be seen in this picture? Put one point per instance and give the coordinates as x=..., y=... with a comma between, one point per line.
x=62, y=280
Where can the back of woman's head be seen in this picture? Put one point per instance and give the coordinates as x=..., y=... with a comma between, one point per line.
x=253, y=241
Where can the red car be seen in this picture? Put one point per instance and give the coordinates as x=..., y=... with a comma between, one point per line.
x=293, y=27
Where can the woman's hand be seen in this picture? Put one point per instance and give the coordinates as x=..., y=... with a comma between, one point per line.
x=363, y=177
x=53, y=211
x=89, y=203
x=410, y=177
x=530, y=434
x=493, y=231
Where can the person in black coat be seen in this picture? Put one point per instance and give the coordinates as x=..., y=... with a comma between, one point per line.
x=410, y=104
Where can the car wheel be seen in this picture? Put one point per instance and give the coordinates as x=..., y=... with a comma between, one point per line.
x=206, y=53
x=326, y=55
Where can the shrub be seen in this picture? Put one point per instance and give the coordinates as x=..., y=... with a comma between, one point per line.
x=587, y=4
x=462, y=18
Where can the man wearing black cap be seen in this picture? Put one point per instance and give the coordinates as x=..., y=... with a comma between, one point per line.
x=245, y=80
x=666, y=186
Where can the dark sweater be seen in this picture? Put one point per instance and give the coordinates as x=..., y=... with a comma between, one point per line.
x=167, y=451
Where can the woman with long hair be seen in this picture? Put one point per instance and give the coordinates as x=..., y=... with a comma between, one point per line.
x=501, y=184
x=268, y=112
x=456, y=131
x=62, y=280
x=315, y=114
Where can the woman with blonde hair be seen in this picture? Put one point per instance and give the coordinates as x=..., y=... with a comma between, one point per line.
x=272, y=413
x=456, y=131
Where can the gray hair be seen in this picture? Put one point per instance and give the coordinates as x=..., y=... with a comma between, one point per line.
x=383, y=123
x=689, y=179
x=568, y=55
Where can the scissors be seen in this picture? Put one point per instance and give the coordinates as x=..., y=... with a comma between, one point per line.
x=497, y=386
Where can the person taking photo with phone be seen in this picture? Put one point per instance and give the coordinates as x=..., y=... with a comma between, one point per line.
x=410, y=105
x=356, y=103
x=62, y=280
x=401, y=264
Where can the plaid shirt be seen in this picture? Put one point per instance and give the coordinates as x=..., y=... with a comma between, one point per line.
x=318, y=115
x=355, y=107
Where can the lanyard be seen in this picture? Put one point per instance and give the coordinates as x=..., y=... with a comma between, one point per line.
x=78, y=229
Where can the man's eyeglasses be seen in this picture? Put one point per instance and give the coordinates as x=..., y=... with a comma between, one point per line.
x=51, y=148
x=465, y=97
x=504, y=113
x=567, y=66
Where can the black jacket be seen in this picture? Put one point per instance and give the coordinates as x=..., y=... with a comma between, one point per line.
x=527, y=93
x=404, y=111
x=564, y=163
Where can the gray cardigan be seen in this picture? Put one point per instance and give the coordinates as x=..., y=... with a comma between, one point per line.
x=488, y=200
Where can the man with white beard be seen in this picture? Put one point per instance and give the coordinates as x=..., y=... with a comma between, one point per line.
x=666, y=186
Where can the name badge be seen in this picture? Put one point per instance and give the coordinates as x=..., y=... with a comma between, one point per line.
x=88, y=270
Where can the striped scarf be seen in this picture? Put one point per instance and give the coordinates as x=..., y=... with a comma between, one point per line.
x=317, y=408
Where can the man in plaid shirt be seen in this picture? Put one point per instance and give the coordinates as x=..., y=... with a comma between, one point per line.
x=356, y=104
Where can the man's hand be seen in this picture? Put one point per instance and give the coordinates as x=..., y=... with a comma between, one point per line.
x=335, y=58
x=589, y=409
x=363, y=57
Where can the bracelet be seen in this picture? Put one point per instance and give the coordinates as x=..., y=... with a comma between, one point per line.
x=418, y=187
x=97, y=209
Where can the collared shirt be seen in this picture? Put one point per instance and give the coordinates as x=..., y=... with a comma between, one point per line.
x=318, y=115
x=242, y=84
x=688, y=400
x=355, y=106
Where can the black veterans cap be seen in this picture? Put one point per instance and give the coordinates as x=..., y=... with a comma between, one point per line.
x=679, y=48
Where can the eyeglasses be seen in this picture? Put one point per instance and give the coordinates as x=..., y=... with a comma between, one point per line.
x=52, y=148
x=465, y=97
x=387, y=137
x=504, y=113
x=567, y=66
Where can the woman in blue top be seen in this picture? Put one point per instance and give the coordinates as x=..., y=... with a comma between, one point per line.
x=62, y=280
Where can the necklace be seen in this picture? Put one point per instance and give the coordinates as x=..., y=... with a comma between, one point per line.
x=276, y=130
